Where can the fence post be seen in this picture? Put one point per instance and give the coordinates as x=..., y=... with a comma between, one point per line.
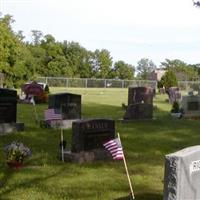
x=122, y=83
x=104, y=83
x=86, y=82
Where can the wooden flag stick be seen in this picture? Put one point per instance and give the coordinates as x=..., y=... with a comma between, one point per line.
x=127, y=173
x=36, y=116
x=62, y=150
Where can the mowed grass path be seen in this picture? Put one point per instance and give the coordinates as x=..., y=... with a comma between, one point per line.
x=145, y=144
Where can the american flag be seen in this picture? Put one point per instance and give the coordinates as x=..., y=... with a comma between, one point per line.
x=115, y=148
x=52, y=114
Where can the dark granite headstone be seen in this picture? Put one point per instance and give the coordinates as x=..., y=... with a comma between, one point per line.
x=69, y=104
x=8, y=112
x=91, y=134
x=140, y=95
x=140, y=103
x=139, y=111
x=8, y=105
x=182, y=175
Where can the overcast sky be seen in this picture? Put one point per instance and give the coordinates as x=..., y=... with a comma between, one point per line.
x=129, y=29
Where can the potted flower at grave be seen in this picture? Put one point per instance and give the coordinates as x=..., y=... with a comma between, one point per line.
x=176, y=111
x=16, y=152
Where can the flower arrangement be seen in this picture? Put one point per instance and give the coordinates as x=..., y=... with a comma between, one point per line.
x=16, y=151
x=176, y=111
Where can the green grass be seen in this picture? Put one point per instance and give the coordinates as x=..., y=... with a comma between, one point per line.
x=145, y=144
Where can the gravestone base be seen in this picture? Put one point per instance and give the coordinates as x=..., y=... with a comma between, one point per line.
x=87, y=156
x=65, y=124
x=11, y=127
x=139, y=111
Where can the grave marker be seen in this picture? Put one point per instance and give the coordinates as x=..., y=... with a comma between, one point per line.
x=182, y=174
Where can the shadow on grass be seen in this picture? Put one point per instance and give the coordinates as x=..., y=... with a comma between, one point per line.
x=143, y=196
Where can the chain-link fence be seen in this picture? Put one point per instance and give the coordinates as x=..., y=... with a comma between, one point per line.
x=94, y=83
x=189, y=85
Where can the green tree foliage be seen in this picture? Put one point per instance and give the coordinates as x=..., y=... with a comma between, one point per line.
x=14, y=56
x=123, y=70
x=182, y=70
x=144, y=67
x=102, y=63
x=78, y=59
x=168, y=79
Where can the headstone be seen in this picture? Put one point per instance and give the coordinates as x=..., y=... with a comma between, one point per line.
x=37, y=90
x=88, y=135
x=182, y=175
x=191, y=106
x=173, y=94
x=140, y=103
x=140, y=95
x=8, y=111
x=68, y=103
x=8, y=105
x=139, y=111
x=33, y=89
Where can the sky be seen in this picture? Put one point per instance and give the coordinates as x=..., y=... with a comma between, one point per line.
x=128, y=29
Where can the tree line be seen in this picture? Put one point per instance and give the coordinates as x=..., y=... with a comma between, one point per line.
x=44, y=56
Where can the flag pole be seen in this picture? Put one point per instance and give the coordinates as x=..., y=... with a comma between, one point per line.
x=61, y=135
x=127, y=173
x=35, y=111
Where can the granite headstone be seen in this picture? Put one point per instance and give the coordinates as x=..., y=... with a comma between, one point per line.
x=8, y=111
x=140, y=103
x=140, y=95
x=182, y=174
x=91, y=134
x=8, y=105
x=68, y=103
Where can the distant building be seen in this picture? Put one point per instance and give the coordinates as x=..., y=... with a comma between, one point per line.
x=156, y=74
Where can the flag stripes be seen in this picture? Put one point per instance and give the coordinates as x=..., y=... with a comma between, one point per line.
x=51, y=114
x=115, y=148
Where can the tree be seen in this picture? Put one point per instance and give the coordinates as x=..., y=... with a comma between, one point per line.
x=182, y=70
x=102, y=63
x=13, y=54
x=144, y=67
x=123, y=70
x=168, y=79
x=36, y=35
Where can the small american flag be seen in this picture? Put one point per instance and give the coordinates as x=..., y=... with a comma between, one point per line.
x=115, y=148
x=52, y=114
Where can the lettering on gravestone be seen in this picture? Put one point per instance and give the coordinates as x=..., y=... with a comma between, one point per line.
x=90, y=134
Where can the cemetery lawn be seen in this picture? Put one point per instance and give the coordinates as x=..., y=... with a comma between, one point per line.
x=145, y=144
